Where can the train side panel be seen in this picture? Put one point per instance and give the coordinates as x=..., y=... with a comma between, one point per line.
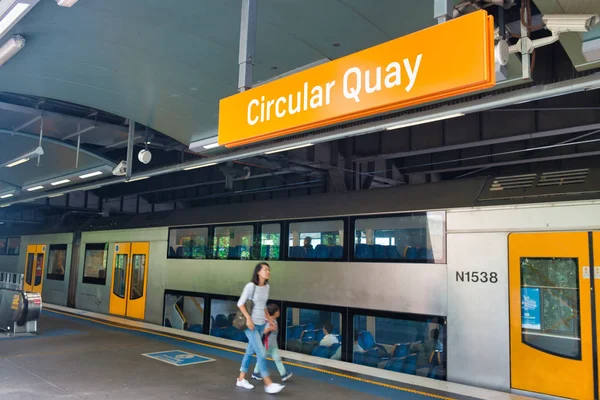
x=478, y=323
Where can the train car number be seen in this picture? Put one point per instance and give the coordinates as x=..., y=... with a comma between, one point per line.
x=474, y=276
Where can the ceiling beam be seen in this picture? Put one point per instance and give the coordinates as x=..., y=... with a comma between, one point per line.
x=488, y=142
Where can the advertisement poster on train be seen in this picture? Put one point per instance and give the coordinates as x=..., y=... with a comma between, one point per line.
x=530, y=308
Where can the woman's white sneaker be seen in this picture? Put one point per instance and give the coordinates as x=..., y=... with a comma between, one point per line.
x=274, y=388
x=245, y=384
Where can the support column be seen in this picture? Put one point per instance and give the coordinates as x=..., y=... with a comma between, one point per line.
x=130, y=149
x=247, y=44
x=443, y=10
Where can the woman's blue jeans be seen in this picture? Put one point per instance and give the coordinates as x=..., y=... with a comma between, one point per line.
x=255, y=345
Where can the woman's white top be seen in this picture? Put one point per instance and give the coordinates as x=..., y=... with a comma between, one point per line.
x=261, y=295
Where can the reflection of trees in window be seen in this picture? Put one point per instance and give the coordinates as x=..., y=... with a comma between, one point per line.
x=557, y=280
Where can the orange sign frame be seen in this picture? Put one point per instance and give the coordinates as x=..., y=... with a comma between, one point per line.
x=445, y=60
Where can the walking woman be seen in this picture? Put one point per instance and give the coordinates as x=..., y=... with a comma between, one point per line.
x=258, y=292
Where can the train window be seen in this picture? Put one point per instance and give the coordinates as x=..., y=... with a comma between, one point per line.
x=316, y=240
x=314, y=332
x=222, y=313
x=407, y=238
x=401, y=345
x=57, y=260
x=270, y=241
x=234, y=242
x=14, y=245
x=3, y=246
x=29, y=272
x=189, y=243
x=94, y=267
x=550, y=305
x=120, y=275
x=184, y=312
x=138, y=271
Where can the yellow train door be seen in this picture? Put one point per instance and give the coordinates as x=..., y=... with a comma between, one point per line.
x=34, y=268
x=551, y=314
x=129, y=280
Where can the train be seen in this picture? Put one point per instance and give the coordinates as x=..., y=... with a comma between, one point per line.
x=484, y=281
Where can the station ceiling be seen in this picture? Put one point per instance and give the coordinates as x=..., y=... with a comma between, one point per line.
x=89, y=70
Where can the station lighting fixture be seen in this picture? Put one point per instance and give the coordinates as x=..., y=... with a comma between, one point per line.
x=7, y=194
x=55, y=195
x=11, y=12
x=425, y=120
x=288, y=148
x=141, y=178
x=61, y=182
x=66, y=3
x=205, y=144
x=91, y=174
x=5, y=205
x=33, y=189
x=24, y=158
x=200, y=166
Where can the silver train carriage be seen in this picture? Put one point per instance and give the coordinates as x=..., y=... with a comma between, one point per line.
x=456, y=281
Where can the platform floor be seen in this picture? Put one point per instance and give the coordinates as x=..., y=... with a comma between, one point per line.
x=77, y=358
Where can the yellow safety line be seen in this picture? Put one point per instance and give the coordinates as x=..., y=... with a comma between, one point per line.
x=324, y=371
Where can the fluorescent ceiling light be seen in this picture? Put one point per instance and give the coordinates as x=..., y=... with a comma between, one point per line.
x=211, y=146
x=288, y=148
x=206, y=144
x=32, y=189
x=11, y=12
x=55, y=195
x=61, y=182
x=10, y=48
x=24, y=158
x=66, y=3
x=200, y=166
x=141, y=178
x=15, y=163
x=424, y=121
x=5, y=205
x=95, y=173
x=6, y=196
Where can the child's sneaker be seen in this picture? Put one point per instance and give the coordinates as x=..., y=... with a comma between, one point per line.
x=286, y=376
x=257, y=376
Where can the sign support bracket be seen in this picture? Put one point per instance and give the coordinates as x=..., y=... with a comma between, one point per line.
x=247, y=44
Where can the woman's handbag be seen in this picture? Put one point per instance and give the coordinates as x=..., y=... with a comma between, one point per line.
x=239, y=322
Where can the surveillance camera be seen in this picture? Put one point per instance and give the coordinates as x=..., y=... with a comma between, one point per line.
x=120, y=169
x=558, y=23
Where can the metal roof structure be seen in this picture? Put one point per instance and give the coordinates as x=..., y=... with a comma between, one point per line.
x=88, y=70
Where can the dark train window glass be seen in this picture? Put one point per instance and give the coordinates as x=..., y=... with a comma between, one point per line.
x=57, y=261
x=14, y=246
x=234, y=242
x=314, y=332
x=316, y=240
x=39, y=267
x=222, y=313
x=3, y=246
x=94, y=267
x=550, y=319
x=407, y=346
x=184, y=312
x=270, y=241
x=404, y=238
x=189, y=243
x=29, y=272
x=138, y=272
x=120, y=275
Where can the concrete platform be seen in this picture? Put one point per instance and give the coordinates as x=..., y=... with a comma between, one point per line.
x=78, y=357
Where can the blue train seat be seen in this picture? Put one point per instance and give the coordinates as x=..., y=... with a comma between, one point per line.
x=393, y=253
x=322, y=251
x=196, y=328
x=336, y=252
x=395, y=364
x=380, y=252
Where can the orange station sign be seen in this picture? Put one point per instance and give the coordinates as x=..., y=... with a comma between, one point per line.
x=445, y=60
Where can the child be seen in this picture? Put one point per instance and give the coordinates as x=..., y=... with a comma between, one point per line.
x=270, y=342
